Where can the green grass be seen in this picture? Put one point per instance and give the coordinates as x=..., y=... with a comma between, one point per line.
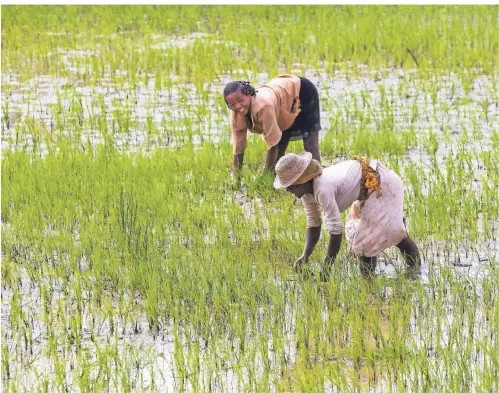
x=251, y=38
x=132, y=262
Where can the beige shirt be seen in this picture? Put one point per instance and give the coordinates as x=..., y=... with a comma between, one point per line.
x=273, y=110
x=334, y=191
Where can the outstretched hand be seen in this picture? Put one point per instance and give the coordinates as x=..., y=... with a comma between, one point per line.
x=325, y=272
x=302, y=260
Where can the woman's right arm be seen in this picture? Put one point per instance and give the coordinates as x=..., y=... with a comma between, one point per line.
x=239, y=131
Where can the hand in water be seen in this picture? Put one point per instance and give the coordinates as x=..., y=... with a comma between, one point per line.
x=325, y=272
x=298, y=264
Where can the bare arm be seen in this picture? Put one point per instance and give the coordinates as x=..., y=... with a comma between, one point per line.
x=311, y=239
x=237, y=163
x=271, y=159
x=332, y=251
x=333, y=247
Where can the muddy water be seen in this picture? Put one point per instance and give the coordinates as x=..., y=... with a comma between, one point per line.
x=56, y=104
x=412, y=102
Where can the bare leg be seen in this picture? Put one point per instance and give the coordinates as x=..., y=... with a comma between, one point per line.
x=283, y=144
x=368, y=266
x=410, y=252
x=311, y=144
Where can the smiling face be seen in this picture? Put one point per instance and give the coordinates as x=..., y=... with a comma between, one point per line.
x=238, y=102
x=298, y=190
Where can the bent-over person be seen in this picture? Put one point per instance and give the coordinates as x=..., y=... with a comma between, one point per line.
x=286, y=108
x=375, y=194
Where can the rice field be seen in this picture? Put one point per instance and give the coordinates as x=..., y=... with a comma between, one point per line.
x=133, y=262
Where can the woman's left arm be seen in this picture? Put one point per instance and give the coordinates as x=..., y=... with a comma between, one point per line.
x=334, y=225
x=271, y=134
x=334, y=246
x=332, y=251
x=271, y=158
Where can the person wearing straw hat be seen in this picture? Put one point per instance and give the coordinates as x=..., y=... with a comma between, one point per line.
x=375, y=195
x=282, y=110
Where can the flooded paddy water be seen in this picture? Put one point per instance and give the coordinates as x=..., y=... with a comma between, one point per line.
x=132, y=262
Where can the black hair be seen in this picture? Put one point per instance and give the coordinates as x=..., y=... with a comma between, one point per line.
x=244, y=86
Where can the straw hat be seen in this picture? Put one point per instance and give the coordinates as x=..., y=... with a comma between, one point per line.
x=295, y=169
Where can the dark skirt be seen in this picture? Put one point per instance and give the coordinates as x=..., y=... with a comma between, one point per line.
x=308, y=120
